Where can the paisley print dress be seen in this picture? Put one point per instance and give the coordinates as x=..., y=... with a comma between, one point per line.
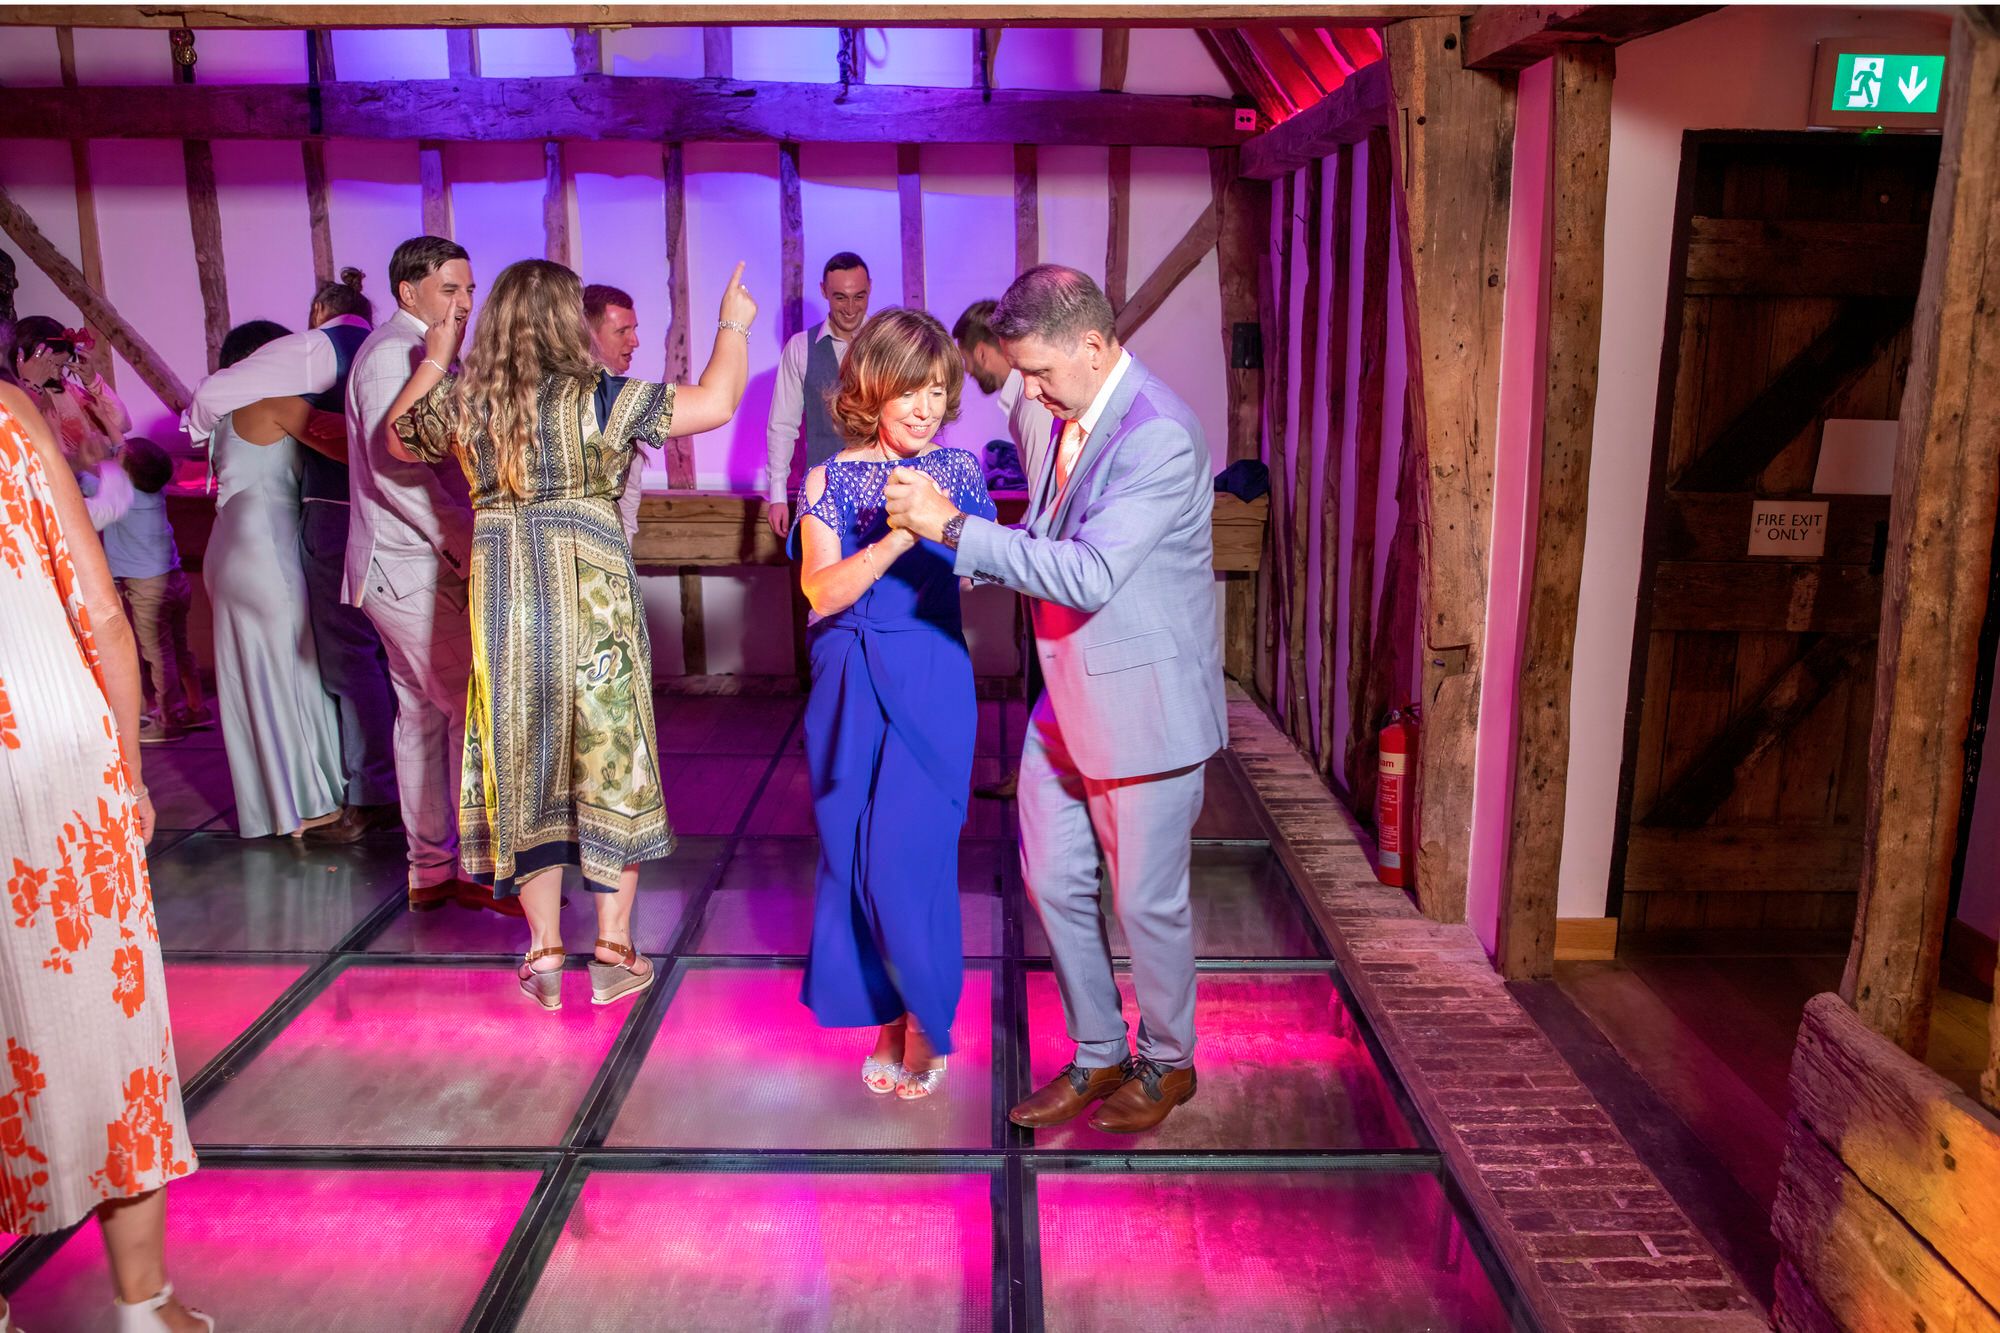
x=561, y=759
x=90, y=1101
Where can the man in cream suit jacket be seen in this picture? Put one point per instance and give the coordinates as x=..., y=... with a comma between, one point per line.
x=1117, y=555
x=409, y=554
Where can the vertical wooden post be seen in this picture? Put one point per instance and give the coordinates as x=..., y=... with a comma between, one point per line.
x=1580, y=164
x=319, y=218
x=86, y=206
x=587, y=50
x=1371, y=403
x=1027, y=209
x=462, y=51
x=718, y=53
x=1453, y=129
x=558, y=243
x=205, y=221
x=791, y=221
x=1275, y=308
x=434, y=190
x=910, y=202
x=680, y=451
x=1934, y=589
x=1117, y=54
x=1118, y=229
x=1304, y=500
x=322, y=43
x=1243, y=222
x=1329, y=745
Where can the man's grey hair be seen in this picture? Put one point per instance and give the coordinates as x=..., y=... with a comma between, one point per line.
x=1055, y=303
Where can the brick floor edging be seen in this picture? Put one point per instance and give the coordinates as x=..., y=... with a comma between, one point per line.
x=1591, y=1239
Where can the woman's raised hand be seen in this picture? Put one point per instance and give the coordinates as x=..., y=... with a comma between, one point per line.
x=441, y=339
x=737, y=307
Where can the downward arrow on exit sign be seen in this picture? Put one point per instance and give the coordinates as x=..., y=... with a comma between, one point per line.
x=1912, y=86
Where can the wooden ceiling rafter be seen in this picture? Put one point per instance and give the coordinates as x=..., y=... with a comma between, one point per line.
x=1026, y=15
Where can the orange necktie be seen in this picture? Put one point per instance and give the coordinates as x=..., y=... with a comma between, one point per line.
x=1067, y=450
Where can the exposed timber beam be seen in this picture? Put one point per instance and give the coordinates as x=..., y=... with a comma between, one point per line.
x=590, y=107
x=1942, y=512
x=718, y=52
x=1516, y=36
x=1032, y=15
x=1117, y=55
x=97, y=311
x=1195, y=242
x=1347, y=115
x=1452, y=141
x=1580, y=160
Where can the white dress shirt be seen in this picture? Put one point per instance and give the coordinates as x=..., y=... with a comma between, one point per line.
x=297, y=363
x=788, y=410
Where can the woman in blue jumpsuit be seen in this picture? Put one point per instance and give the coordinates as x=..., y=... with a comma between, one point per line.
x=890, y=722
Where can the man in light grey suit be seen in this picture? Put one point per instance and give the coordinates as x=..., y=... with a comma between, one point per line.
x=409, y=551
x=1117, y=555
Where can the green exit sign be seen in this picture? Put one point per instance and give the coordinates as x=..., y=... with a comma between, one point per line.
x=1879, y=81
x=1885, y=84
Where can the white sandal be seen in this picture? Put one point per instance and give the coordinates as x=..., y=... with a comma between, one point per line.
x=144, y=1316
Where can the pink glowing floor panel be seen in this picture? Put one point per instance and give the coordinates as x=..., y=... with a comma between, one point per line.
x=419, y=1056
x=212, y=1003
x=283, y=1249
x=764, y=903
x=1351, y=1250
x=696, y=1252
x=739, y=1063
x=1281, y=1064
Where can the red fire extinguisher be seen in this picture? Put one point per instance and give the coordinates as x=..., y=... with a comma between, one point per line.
x=1395, y=810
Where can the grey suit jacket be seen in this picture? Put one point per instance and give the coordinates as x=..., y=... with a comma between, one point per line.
x=412, y=520
x=1121, y=565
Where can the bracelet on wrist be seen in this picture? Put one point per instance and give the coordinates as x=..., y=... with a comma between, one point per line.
x=441, y=370
x=735, y=324
x=141, y=792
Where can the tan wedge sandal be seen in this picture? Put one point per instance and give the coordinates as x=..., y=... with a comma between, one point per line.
x=612, y=982
x=544, y=988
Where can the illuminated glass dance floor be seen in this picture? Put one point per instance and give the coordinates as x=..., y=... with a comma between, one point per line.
x=393, y=1137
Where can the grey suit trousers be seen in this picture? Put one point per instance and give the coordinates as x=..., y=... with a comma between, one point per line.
x=352, y=662
x=1142, y=827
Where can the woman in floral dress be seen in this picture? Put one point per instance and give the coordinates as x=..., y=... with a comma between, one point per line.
x=90, y=1100
x=561, y=759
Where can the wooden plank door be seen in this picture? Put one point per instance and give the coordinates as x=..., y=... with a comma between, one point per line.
x=1797, y=259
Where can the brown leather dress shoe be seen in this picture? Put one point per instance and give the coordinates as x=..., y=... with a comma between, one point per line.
x=1067, y=1095
x=432, y=896
x=1150, y=1091
x=338, y=832
x=478, y=897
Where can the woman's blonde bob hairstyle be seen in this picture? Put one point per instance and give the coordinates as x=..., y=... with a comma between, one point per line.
x=898, y=351
x=529, y=348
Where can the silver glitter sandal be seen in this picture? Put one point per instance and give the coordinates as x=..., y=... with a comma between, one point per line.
x=544, y=988
x=612, y=982
x=915, y=1087
x=881, y=1076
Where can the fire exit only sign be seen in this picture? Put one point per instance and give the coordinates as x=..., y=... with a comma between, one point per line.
x=1885, y=83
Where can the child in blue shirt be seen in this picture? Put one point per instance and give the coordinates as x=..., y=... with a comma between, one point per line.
x=146, y=564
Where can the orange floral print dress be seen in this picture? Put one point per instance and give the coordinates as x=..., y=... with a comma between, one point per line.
x=90, y=1102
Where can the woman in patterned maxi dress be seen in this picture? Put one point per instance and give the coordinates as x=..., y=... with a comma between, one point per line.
x=561, y=758
x=90, y=1100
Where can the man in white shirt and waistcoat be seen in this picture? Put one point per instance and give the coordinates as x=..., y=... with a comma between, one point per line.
x=409, y=558
x=808, y=373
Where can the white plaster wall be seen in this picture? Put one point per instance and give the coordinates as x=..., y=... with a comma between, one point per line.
x=1755, y=72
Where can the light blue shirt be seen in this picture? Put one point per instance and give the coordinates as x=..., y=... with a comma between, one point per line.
x=141, y=544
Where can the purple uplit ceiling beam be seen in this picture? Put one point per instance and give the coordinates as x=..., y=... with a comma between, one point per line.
x=594, y=107
x=1349, y=114
x=1039, y=15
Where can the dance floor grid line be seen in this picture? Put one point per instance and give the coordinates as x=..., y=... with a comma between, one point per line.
x=399, y=1135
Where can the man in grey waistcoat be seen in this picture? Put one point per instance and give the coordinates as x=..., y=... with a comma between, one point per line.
x=409, y=555
x=808, y=373
x=1117, y=557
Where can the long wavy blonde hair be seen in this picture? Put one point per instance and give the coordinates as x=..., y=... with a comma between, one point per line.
x=530, y=334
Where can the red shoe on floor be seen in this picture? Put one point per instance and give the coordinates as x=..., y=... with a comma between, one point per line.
x=477, y=897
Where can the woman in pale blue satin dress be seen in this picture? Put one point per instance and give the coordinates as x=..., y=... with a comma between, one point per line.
x=280, y=728
x=890, y=722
